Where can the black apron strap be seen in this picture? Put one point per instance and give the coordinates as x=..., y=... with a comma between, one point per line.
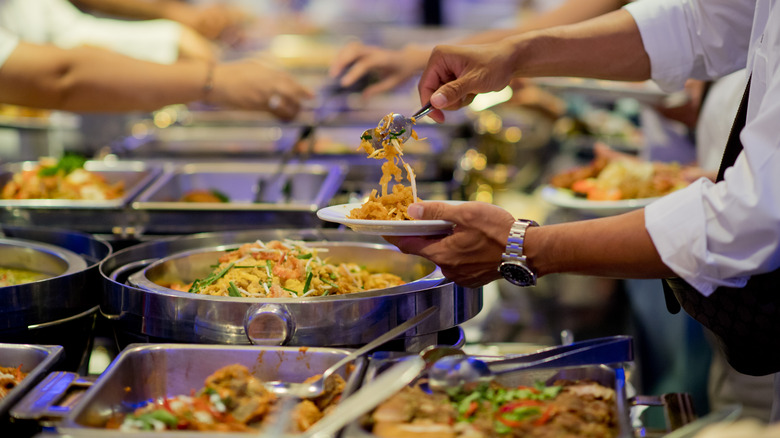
x=730, y=154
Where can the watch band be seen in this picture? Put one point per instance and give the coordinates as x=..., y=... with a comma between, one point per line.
x=514, y=245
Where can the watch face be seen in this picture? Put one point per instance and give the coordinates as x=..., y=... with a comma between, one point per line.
x=517, y=274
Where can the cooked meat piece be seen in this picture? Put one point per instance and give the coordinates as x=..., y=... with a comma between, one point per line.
x=424, y=429
x=305, y=415
x=334, y=386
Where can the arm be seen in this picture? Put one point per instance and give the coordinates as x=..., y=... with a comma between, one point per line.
x=606, y=47
x=397, y=66
x=470, y=256
x=92, y=79
x=570, y=12
x=210, y=21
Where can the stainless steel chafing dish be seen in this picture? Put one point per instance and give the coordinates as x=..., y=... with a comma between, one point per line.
x=613, y=378
x=58, y=310
x=35, y=360
x=144, y=373
x=300, y=188
x=138, y=308
x=79, y=214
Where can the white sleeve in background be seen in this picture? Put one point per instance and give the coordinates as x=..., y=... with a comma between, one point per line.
x=720, y=234
x=8, y=43
x=60, y=23
x=700, y=39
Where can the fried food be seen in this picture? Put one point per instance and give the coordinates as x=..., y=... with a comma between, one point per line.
x=614, y=178
x=65, y=178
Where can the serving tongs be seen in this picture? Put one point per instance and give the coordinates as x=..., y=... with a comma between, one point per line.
x=316, y=387
x=273, y=189
x=452, y=371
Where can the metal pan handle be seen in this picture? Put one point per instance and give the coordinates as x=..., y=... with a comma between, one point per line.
x=52, y=398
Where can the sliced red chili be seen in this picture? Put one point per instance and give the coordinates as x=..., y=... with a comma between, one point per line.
x=471, y=409
x=546, y=415
x=511, y=406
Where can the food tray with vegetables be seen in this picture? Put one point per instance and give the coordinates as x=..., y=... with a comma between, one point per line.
x=578, y=401
x=73, y=182
x=195, y=390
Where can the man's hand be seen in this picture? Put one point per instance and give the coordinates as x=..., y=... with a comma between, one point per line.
x=455, y=74
x=471, y=254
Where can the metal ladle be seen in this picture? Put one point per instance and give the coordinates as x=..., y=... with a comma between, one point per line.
x=317, y=387
x=455, y=371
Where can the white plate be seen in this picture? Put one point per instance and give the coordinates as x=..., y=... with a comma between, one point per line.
x=338, y=214
x=566, y=199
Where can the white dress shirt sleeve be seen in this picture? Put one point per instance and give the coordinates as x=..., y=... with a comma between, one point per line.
x=720, y=234
x=8, y=43
x=60, y=23
x=701, y=39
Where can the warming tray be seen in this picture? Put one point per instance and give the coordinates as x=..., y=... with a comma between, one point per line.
x=613, y=378
x=109, y=216
x=292, y=195
x=144, y=372
x=135, y=174
x=36, y=361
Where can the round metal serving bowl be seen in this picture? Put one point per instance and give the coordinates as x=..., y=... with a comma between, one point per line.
x=61, y=309
x=140, y=307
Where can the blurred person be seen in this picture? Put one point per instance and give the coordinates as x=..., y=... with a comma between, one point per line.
x=215, y=21
x=394, y=67
x=716, y=243
x=60, y=23
x=92, y=79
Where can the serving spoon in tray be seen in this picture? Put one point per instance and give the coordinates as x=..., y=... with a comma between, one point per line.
x=453, y=371
x=316, y=387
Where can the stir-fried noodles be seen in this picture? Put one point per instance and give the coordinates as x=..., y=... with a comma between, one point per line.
x=388, y=206
x=9, y=378
x=285, y=269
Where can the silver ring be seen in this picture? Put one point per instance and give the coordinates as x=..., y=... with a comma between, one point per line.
x=274, y=101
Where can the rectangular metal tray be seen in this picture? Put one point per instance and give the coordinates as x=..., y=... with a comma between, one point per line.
x=298, y=191
x=144, y=372
x=136, y=175
x=36, y=361
x=613, y=378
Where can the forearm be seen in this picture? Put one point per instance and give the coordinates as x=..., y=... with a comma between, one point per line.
x=606, y=47
x=85, y=79
x=143, y=9
x=617, y=246
x=572, y=11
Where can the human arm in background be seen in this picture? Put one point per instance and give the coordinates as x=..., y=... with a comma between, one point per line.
x=94, y=79
x=214, y=21
x=395, y=67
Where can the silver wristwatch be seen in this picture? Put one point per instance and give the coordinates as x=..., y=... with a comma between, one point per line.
x=514, y=266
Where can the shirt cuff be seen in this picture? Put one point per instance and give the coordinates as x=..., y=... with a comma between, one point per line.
x=664, y=40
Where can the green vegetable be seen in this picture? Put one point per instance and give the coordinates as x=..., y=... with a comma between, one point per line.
x=294, y=292
x=304, y=256
x=200, y=284
x=233, y=290
x=307, y=283
x=166, y=417
x=219, y=195
x=366, y=137
x=68, y=163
